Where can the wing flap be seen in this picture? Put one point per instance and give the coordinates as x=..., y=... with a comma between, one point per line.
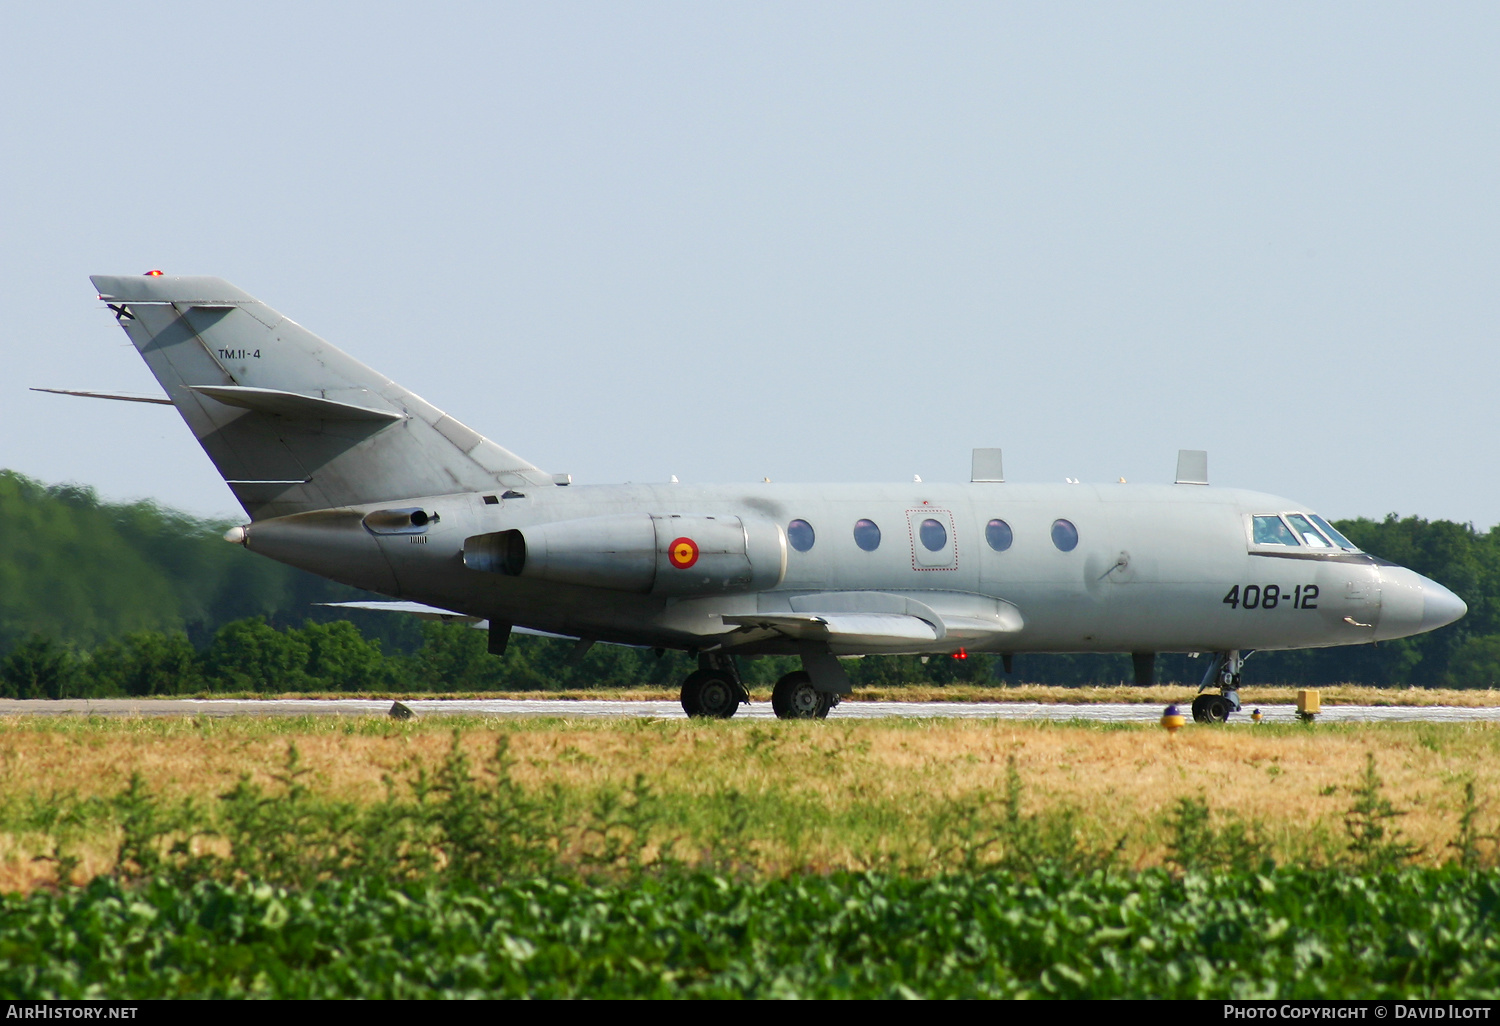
x=854, y=621
x=844, y=628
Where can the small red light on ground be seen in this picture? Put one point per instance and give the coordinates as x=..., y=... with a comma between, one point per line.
x=960, y=654
x=153, y=274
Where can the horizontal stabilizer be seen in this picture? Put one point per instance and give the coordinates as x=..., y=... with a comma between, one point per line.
x=121, y=396
x=188, y=290
x=291, y=404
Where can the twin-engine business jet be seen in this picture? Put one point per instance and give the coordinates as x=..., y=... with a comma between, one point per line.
x=346, y=474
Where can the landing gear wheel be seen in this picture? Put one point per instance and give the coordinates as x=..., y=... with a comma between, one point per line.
x=1211, y=709
x=710, y=694
x=795, y=698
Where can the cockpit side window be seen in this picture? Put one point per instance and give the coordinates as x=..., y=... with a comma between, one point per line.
x=1309, y=534
x=1328, y=529
x=1270, y=530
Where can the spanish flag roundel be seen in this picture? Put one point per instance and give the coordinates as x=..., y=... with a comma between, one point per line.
x=683, y=553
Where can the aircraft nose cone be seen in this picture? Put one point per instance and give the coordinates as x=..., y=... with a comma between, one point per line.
x=1411, y=604
x=1440, y=606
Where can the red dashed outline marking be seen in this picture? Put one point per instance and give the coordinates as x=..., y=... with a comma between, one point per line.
x=911, y=533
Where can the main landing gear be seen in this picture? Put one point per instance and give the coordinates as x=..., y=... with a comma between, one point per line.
x=1224, y=674
x=795, y=698
x=714, y=690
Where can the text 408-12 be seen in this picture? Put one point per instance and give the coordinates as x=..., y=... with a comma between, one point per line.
x=1270, y=596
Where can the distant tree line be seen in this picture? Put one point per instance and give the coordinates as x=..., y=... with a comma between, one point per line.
x=82, y=572
x=132, y=599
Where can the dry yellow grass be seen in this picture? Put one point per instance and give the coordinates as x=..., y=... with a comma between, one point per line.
x=827, y=794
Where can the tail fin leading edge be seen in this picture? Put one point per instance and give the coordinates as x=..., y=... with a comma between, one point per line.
x=292, y=423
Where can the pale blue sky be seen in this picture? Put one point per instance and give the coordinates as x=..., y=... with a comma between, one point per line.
x=808, y=241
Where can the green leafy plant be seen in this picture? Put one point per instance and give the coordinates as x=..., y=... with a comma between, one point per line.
x=1375, y=842
x=1470, y=842
x=976, y=832
x=1198, y=844
x=618, y=833
x=485, y=829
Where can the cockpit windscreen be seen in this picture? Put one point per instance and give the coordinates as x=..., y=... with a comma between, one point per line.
x=1309, y=534
x=1269, y=530
x=1338, y=539
x=1299, y=529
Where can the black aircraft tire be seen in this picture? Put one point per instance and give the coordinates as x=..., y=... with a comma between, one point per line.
x=709, y=695
x=1200, y=712
x=1211, y=709
x=795, y=698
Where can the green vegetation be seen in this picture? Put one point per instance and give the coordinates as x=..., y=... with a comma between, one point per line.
x=1281, y=934
x=80, y=572
x=461, y=879
x=101, y=599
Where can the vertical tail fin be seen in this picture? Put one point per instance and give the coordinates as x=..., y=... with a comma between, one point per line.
x=292, y=423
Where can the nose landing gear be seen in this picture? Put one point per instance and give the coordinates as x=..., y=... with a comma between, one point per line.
x=1224, y=674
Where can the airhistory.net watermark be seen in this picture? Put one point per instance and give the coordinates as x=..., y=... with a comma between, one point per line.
x=28, y=1010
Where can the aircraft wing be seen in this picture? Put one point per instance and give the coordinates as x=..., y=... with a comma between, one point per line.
x=981, y=628
x=417, y=609
x=845, y=628
x=878, y=620
x=426, y=612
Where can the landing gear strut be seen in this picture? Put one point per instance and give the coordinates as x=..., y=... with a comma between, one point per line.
x=795, y=698
x=1224, y=674
x=714, y=690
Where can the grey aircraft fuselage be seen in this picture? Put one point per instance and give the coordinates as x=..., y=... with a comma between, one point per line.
x=346, y=474
x=1150, y=572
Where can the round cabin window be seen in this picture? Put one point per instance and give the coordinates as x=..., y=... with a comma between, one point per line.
x=867, y=535
x=934, y=535
x=997, y=534
x=800, y=534
x=1064, y=535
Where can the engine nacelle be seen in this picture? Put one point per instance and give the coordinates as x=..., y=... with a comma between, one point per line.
x=649, y=553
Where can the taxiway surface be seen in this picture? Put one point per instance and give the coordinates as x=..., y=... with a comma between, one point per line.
x=587, y=709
